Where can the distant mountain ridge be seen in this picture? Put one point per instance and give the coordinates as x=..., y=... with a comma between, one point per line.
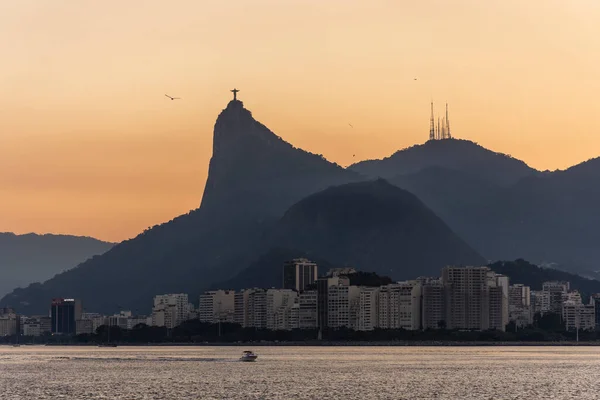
x=503, y=208
x=456, y=154
x=31, y=257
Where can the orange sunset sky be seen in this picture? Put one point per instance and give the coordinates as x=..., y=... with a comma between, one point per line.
x=89, y=145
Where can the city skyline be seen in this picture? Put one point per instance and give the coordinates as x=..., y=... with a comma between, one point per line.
x=90, y=145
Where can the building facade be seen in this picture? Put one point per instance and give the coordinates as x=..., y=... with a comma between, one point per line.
x=170, y=310
x=217, y=305
x=299, y=273
x=368, y=309
x=63, y=314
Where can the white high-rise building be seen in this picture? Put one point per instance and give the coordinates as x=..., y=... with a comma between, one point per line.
x=498, y=295
x=257, y=309
x=170, y=310
x=433, y=304
x=342, y=306
x=9, y=324
x=307, y=312
x=476, y=298
x=279, y=305
x=217, y=305
x=555, y=290
x=577, y=315
x=368, y=309
x=519, y=305
x=400, y=305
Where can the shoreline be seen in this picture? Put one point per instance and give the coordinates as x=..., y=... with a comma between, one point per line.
x=333, y=344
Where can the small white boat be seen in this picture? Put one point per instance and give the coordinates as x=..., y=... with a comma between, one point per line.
x=248, y=356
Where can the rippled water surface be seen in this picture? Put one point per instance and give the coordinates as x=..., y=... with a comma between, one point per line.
x=32, y=372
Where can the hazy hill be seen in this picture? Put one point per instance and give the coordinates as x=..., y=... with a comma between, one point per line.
x=372, y=226
x=254, y=176
x=455, y=154
x=31, y=258
x=548, y=217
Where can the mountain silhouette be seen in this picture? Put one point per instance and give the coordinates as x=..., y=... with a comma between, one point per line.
x=254, y=176
x=455, y=154
x=28, y=258
x=544, y=217
x=372, y=226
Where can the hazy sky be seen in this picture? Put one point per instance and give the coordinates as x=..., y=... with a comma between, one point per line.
x=89, y=145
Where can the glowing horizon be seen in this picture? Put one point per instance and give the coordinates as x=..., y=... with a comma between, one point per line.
x=89, y=144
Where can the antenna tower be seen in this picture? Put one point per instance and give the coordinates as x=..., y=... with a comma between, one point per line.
x=438, y=129
x=448, y=124
x=431, y=125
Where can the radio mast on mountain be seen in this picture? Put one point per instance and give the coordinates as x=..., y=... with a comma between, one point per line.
x=432, y=125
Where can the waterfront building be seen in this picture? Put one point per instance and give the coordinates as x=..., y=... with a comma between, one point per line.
x=84, y=326
x=31, y=327
x=170, y=310
x=519, y=305
x=323, y=286
x=540, y=302
x=498, y=297
x=368, y=309
x=468, y=297
x=433, y=304
x=9, y=323
x=279, y=303
x=577, y=315
x=299, y=273
x=240, y=307
x=307, y=309
x=342, y=306
x=400, y=306
x=97, y=319
x=63, y=314
x=257, y=309
x=595, y=298
x=217, y=305
x=554, y=298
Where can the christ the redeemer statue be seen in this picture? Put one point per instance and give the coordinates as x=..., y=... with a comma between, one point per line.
x=235, y=93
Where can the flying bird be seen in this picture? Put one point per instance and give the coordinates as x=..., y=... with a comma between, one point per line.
x=173, y=98
x=350, y=125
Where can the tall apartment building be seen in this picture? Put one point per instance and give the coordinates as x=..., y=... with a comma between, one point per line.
x=307, y=309
x=323, y=286
x=468, y=297
x=170, y=310
x=9, y=322
x=595, y=298
x=555, y=290
x=240, y=307
x=368, y=309
x=433, y=304
x=342, y=306
x=84, y=326
x=279, y=308
x=540, y=301
x=400, y=306
x=31, y=327
x=257, y=309
x=299, y=273
x=577, y=315
x=499, y=290
x=519, y=305
x=64, y=313
x=217, y=305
